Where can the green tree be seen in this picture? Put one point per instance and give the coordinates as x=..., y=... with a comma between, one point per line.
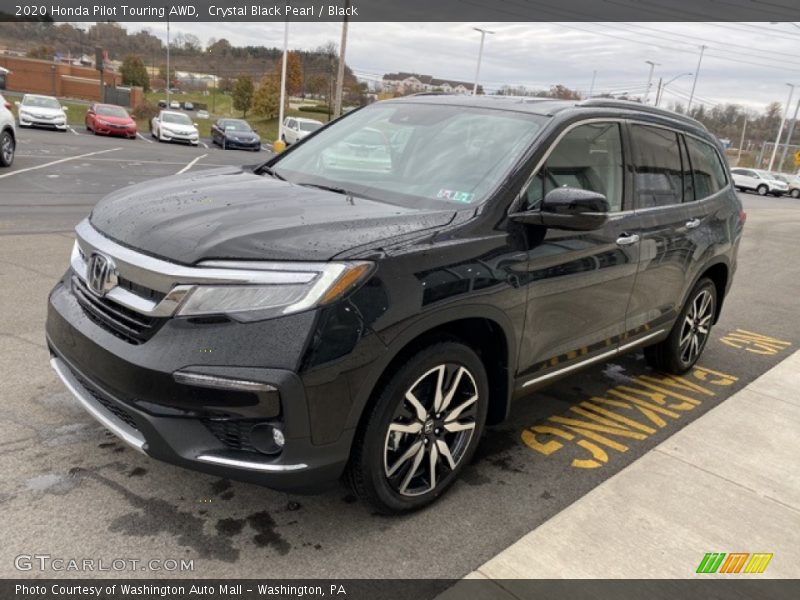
x=242, y=93
x=133, y=72
x=267, y=99
x=162, y=74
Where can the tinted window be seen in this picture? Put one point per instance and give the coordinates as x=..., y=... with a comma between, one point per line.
x=588, y=157
x=657, y=167
x=707, y=169
x=686, y=172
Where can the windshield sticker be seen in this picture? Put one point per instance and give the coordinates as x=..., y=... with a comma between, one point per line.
x=455, y=196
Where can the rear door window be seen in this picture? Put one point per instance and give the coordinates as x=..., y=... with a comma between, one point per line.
x=657, y=168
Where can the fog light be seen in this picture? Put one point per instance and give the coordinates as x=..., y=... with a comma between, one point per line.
x=267, y=439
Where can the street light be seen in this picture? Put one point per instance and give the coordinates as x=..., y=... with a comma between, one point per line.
x=694, y=83
x=663, y=86
x=653, y=65
x=780, y=129
x=480, y=55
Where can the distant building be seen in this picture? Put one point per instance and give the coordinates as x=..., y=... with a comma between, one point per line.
x=412, y=83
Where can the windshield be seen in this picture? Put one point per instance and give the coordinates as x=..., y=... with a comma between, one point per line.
x=41, y=102
x=414, y=154
x=235, y=125
x=111, y=111
x=177, y=118
x=309, y=126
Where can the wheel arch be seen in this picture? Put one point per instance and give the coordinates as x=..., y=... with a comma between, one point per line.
x=719, y=272
x=485, y=329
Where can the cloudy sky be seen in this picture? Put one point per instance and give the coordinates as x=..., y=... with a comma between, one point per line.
x=745, y=63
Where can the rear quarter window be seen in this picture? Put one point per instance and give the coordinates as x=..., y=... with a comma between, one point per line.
x=707, y=168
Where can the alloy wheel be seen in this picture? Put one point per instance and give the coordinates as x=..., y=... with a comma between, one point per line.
x=7, y=148
x=696, y=325
x=431, y=430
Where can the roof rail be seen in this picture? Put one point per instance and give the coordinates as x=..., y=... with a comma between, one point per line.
x=640, y=107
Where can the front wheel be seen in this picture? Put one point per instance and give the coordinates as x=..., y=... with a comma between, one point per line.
x=7, y=148
x=762, y=190
x=795, y=193
x=421, y=430
x=687, y=340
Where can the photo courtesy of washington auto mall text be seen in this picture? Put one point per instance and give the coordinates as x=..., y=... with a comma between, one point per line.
x=388, y=300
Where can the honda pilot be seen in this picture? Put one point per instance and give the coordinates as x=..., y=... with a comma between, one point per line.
x=363, y=305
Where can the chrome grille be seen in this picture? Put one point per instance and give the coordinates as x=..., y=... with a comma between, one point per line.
x=124, y=323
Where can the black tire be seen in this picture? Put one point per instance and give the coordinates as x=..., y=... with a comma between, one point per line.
x=671, y=355
x=389, y=489
x=8, y=147
x=762, y=190
x=795, y=193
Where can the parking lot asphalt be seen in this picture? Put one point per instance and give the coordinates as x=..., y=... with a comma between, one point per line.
x=70, y=490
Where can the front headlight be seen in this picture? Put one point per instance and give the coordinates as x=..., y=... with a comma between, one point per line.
x=300, y=287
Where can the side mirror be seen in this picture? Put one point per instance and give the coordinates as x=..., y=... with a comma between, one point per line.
x=568, y=208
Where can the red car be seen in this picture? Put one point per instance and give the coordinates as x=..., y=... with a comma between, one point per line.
x=108, y=119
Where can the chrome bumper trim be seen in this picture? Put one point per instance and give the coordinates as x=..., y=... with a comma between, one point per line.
x=249, y=465
x=123, y=431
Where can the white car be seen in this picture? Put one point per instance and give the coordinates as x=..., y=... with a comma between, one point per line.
x=202, y=114
x=296, y=128
x=175, y=104
x=41, y=111
x=172, y=126
x=8, y=135
x=762, y=182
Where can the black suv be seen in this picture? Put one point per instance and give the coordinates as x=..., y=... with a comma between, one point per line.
x=365, y=303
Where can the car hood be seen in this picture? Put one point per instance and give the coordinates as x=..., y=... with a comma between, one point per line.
x=116, y=120
x=232, y=213
x=38, y=110
x=179, y=128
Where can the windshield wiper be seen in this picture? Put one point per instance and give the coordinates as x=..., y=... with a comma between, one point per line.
x=271, y=172
x=329, y=188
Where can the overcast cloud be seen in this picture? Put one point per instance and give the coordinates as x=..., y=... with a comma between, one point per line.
x=745, y=63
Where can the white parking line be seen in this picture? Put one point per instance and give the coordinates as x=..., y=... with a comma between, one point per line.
x=140, y=136
x=56, y=162
x=72, y=130
x=204, y=145
x=191, y=164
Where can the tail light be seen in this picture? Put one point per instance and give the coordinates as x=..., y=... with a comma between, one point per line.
x=742, y=217
x=8, y=105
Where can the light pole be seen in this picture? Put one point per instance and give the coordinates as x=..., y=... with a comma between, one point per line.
x=653, y=65
x=780, y=129
x=337, y=109
x=663, y=87
x=480, y=55
x=591, y=87
x=167, y=76
x=741, y=142
x=283, y=80
x=694, y=83
x=789, y=136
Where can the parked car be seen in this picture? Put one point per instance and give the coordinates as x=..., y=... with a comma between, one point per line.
x=296, y=128
x=235, y=133
x=794, y=187
x=188, y=106
x=370, y=324
x=202, y=114
x=41, y=111
x=761, y=182
x=109, y=119
x=8, y=135
x=162, y=104
x=171, y=126
x=175, y=105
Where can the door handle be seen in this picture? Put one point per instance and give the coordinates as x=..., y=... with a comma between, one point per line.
x=693, y=223
x=627, y=239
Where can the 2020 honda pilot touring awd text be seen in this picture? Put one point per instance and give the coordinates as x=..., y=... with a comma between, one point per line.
x=366, y=308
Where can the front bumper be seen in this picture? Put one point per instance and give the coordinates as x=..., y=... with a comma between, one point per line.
x=34, y=122
x=130, y=389
x=241, y=145
x=129, y=132
x=169, y=136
